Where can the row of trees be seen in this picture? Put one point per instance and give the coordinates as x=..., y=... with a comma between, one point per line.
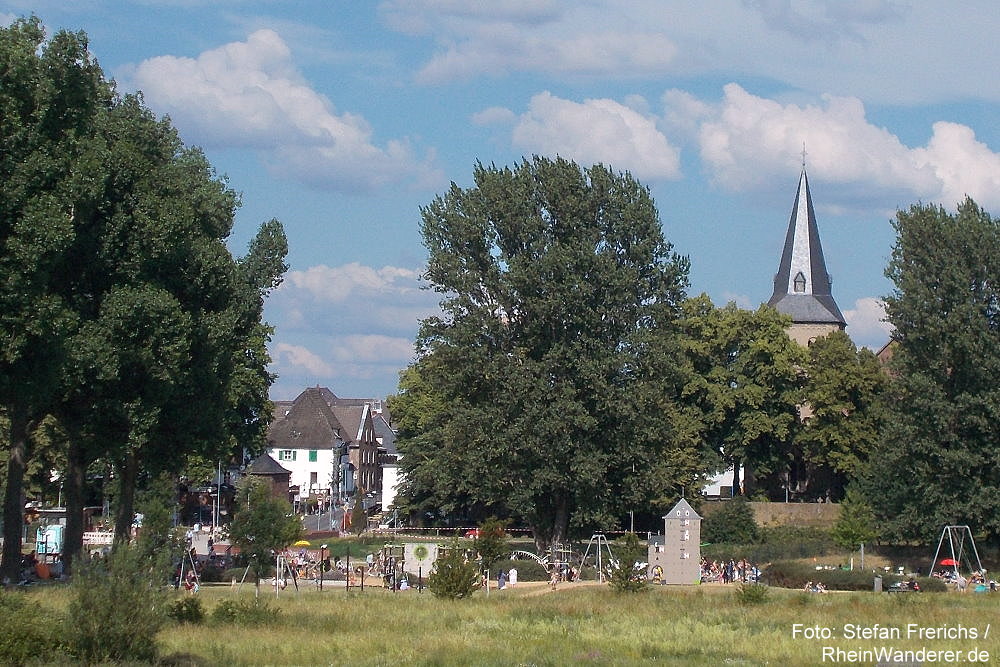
x=571, y=378
x=129, y=334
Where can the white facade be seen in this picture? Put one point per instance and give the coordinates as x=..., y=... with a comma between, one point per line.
x=312, y=469
x=721, y=486
x=390, y=484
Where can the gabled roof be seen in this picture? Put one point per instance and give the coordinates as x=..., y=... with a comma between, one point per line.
x=353, y=417
x=802, y=284
x=309, y=424
x=682, y=510
x=265, y=465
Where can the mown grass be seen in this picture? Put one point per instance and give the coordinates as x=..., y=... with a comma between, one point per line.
x=583, y=623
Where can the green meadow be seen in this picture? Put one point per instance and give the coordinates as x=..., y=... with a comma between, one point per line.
x=581, y=623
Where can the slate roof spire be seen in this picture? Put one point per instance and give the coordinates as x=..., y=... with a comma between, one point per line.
x=802, y=285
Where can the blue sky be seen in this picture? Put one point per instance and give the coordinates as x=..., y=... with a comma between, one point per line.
x=343, y=118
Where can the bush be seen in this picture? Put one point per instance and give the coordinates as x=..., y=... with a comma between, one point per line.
x=23, y=637
x=628, y=575
x=187, y=609
x=752, y=593
x=787, y=574
x=776, y=543
x=247, y=611
x=733, y=522
x=454, y=577
x=118, y=606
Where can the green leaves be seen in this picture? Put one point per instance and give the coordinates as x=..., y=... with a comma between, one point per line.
x=553, y=278
x=943, y=411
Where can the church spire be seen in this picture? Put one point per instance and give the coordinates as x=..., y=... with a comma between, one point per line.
x=802, y=285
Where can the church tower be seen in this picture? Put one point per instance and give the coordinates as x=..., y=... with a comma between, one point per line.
x=802, y=285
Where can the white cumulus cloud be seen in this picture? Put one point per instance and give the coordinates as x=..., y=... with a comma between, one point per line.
x=250, y=95
x=300, y=358
x=597, y=130
x=374, y=348
x=866, y=323
x=351, y=281
x=747, y=141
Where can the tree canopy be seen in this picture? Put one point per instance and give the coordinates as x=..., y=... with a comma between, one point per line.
x=553, y=279
x=743, y=385
x=939, y=459
x=122, y=307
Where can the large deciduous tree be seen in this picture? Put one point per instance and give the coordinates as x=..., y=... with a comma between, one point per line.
x=49, y=96
x=743, y=385
x=124, y=313
x=844, y=391
x=939, y=461
x=553, y=278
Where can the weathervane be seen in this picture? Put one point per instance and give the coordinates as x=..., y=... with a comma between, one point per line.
x=803, y=156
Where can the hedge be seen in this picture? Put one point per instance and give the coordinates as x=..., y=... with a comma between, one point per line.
x=789, y=574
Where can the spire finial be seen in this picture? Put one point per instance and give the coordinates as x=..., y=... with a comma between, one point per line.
x=803, y=156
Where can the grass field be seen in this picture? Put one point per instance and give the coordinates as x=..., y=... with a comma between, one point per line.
x=579, y=623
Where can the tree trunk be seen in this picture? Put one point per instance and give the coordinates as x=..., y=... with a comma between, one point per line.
x=76, y=468
x=13, y=500
x=749, y=481
x=737, y=490
x=125, y=510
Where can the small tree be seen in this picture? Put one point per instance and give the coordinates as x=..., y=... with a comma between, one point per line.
x=491, y=543
x=262, y=525
x=159, y=542
x=359, y=518
x=628, y=574
x=118, y=606
x=732, y=523
x=856, y=524
x=454, y=576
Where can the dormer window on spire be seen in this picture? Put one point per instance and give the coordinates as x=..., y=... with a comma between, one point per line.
x=799, y=284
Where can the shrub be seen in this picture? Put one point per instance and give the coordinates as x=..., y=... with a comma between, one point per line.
x=787, y=574
x=628, y=574
x=247, y=611
x=752, y=593
x=117, y=608
x=776, y=543
x=23, y=637
x=733, y=522
x=453, y=576
x=187, y=609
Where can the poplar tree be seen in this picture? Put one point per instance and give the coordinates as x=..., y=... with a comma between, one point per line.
x=552, y=279
x=939, y=459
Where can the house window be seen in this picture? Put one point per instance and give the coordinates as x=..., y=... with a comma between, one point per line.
x=312, y=456
x=799, y=282
x=313, y=478
x=286, y=455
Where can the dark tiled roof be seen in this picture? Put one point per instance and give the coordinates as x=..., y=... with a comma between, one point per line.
x=265, y=465
x=384, y=431
x=309, y=424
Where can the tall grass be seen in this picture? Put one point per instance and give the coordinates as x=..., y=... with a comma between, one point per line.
x=576, y=624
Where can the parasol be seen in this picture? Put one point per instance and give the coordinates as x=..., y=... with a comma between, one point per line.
x=302, y=543
x=949, y=561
